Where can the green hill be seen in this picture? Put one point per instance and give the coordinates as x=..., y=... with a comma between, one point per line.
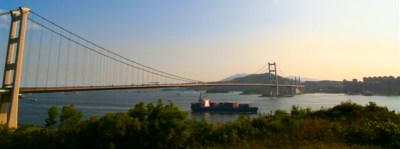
x=253, y=78
x=324, y=86
x=260, y=78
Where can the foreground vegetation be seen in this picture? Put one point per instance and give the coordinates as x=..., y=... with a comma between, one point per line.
x=347, y=125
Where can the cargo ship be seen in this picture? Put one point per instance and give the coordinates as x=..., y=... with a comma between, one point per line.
x=205, y=105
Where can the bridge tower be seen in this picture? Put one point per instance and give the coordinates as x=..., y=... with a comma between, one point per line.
x=296, y=84
x=294, y=88
x=13, y=67
x=273, y=78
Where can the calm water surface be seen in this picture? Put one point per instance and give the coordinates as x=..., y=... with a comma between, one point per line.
x=33, y=108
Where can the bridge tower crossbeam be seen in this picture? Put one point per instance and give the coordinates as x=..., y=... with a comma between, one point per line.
x=13, y=67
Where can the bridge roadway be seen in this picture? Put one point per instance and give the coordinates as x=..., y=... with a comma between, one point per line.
x=144, y=86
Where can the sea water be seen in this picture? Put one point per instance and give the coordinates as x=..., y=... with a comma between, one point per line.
x=33, y=107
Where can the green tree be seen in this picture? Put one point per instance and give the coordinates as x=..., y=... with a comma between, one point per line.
x=139, y=111
x=70, y=116
x=70, y=119
x=51, y=119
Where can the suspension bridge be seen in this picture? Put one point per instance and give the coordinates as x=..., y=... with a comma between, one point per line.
x=41, y=56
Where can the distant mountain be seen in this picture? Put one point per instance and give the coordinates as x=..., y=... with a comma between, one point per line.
x=260, y=78
x=252, y=78
x=310, y=86
x=238, y=75
x=302, y=79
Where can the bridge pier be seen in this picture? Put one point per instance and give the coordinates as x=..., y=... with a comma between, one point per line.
x=13, y=67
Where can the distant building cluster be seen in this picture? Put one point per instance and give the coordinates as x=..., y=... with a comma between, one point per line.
x=373, y=85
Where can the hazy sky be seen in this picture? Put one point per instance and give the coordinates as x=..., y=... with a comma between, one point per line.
x=212, y=39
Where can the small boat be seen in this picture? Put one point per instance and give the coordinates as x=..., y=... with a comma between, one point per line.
x=205, y=105
x=21, y=96
x=71, y=93
x=367, y=93
x=288, y=95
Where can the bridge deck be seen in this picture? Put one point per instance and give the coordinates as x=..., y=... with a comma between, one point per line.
x=145, y=86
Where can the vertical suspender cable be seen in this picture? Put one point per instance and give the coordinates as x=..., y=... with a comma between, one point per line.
x=97, y=69
x=152, y=77
x=90, y=68
x=75, y=63
x=95, y=63
x=143, y=75
x=132, y=77
x=126, y=75
x=121, y=73
x=103, y=66
x=109, y=71
x=138, y=76
x=49, y=59
x=84, y=51
x=118, y=73
x=79, y=66
x=112, y=71
x=112, y=75
x=100, y=82
x=67, y=67
x=25, y=62
x=38, y=62
x=58, y=60
x=29, y=52
x=105, y=70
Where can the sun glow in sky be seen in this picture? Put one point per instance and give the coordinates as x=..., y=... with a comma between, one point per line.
x=210, y=40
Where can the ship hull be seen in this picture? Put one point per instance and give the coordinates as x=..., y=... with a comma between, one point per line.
x=225, y=109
